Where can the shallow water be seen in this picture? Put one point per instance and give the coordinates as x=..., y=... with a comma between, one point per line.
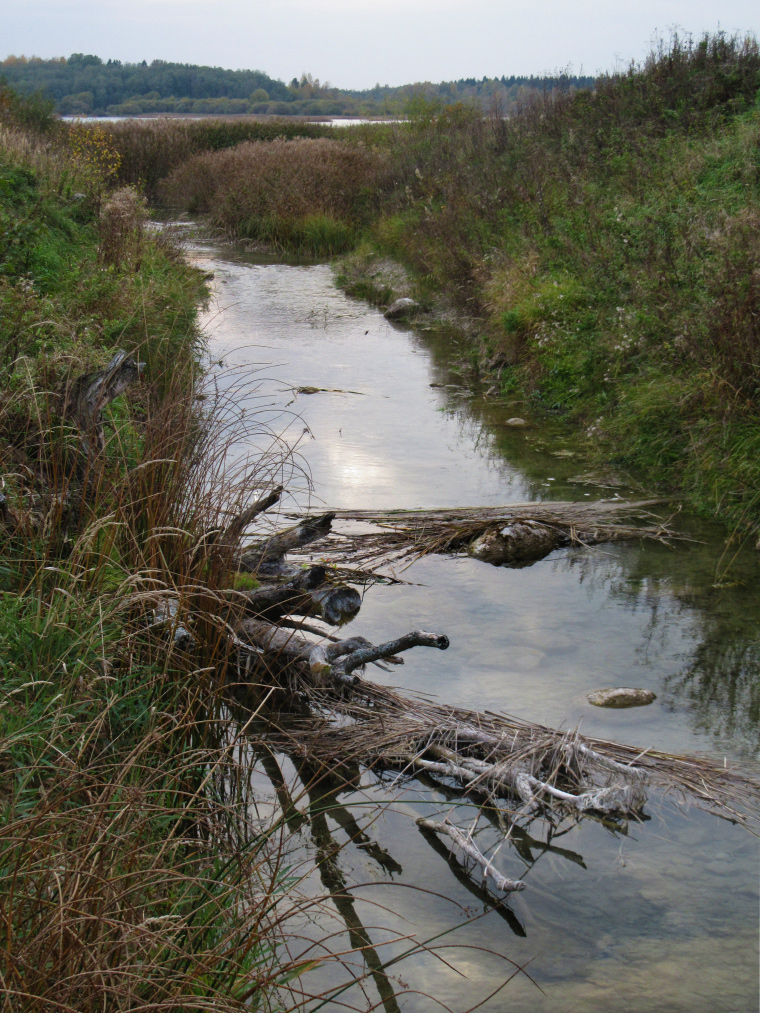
x=660, y=915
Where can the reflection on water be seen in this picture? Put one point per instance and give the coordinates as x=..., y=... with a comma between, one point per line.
x=660, y=915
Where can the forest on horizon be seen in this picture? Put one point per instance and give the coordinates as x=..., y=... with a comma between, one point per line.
x=84, y=84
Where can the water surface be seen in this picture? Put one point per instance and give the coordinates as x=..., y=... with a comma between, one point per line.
x=658, y=915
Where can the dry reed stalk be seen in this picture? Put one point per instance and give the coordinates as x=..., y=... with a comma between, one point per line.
x=495, y=756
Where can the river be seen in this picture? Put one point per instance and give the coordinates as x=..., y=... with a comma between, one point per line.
x=658, y=915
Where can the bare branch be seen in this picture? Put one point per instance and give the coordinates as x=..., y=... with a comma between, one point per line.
x=467, y=846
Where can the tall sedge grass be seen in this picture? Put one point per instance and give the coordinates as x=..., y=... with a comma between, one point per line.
x=127, y=878
x=135, y=868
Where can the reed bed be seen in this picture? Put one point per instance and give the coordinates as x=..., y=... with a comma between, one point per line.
x=150, y=148
x=312, y=194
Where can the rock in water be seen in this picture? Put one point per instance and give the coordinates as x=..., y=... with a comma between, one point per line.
x=622, y=696
x=515, y=422
x=401, y=308
x=518, y=544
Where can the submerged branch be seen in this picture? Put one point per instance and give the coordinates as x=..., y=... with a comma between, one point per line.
x=467, y=846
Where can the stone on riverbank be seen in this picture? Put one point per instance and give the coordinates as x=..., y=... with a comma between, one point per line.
x=402, y=308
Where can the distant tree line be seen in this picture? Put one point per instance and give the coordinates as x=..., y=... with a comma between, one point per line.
x=86, y=85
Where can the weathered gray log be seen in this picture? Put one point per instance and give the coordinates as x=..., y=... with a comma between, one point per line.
x=418, y=638
x=232, y=534
x=333, y=604
x=469, y=848
x=267, y=554
x=329, y=661
x=91, y=393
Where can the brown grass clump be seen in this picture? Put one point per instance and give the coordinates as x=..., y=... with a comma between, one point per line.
x=285, y=191
x=122, y=221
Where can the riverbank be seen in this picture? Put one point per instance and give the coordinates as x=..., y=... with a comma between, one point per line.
x=128, y=872
x=604, y=246
x=147, y=538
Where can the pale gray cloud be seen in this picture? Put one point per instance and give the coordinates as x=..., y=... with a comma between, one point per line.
x=355, y=43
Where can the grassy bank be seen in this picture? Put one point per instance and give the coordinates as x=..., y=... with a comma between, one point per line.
x=131, y=873
x=606, y=247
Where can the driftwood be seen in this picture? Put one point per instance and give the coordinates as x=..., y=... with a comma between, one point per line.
x=332, y=662
x=488, y=757
x=267, y=554
x=231, y=535
x=37, y=503
x=303, y=596
x=513, y=535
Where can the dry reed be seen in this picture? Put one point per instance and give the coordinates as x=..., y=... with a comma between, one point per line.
x=268, y=190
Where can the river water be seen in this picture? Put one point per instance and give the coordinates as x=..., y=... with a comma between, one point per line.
x=660, y=915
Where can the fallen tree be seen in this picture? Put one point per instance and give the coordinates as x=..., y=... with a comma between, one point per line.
x=280, y=634
x=514, y=535
x=494, y=759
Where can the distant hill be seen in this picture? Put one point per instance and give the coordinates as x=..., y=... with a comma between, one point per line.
x=85, y=84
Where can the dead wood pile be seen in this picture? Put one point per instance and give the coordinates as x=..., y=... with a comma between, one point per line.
x=281, y=634
x=492, y=758
x=513, y=535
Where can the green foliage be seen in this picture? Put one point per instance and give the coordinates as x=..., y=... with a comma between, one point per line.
x=109, y=84
x=30, y=110
x=84, y=84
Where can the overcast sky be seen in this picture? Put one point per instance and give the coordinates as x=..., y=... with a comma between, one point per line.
x=355, y=43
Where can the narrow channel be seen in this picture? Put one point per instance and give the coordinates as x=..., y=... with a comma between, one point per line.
x=657, y=915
